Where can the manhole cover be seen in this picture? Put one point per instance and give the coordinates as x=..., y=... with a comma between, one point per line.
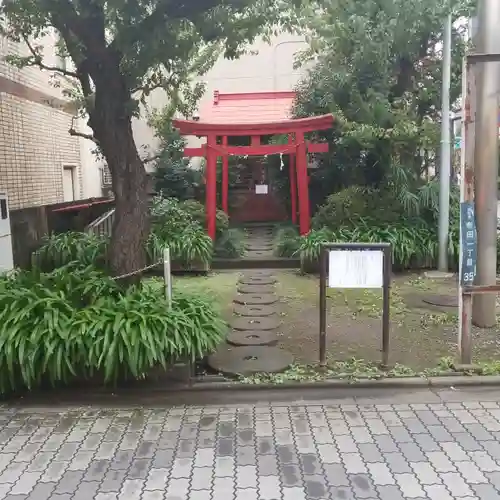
x=255, y=323
x=256, y=298
x=258, y=280
x=441, y=300
x=254, y=310
x=249, y=360
x=251, y=338
x=254, y=289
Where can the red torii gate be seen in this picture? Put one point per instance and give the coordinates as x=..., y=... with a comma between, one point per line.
x=297, y=147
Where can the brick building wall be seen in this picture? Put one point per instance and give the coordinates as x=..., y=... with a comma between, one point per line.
x=35, y=145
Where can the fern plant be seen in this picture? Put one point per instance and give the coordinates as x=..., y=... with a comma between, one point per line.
x=75, y=324
x=58, y=250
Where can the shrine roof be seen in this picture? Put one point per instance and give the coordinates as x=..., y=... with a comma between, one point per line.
x=256, y=113
x=252, y=107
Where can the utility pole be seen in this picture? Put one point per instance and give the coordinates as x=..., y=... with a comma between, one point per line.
x=486, y=161
x=445, y=168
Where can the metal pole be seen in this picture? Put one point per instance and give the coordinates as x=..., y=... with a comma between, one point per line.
x=486, y=161
x=466, y=195
x=323, y=283
x=386, y=312
x=445, y=168
x=167, y=274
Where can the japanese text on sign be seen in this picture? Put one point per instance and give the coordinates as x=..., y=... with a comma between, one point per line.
x=356, y=269
x=468, y=243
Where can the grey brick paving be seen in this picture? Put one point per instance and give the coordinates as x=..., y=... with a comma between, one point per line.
x=315, y=451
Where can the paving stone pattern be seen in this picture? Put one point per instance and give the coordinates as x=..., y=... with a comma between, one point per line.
x=262, y=452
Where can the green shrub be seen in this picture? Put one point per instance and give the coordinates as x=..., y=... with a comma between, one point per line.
x=287, y=242
x=175, y=227
x=230, y=244
x=198, y=214
x=414, y=243
x=190, y=246
x=60, y=249
x=309, y=248
x=347, y=207
x=52, y=333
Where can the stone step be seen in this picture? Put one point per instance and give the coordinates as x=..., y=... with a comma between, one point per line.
x=252, y=338
x=248, y=360
x=260, y=323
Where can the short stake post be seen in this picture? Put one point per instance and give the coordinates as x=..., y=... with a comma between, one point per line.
x=167, y=274
x=355, y=265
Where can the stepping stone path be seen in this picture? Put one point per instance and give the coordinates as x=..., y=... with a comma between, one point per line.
x=260, y=243
x=251, y=345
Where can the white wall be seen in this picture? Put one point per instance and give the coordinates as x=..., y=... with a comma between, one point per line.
x=265, y=68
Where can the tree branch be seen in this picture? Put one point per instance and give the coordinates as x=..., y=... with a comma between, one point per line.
x=74, y=133
x=149, y=159
x=37, y=60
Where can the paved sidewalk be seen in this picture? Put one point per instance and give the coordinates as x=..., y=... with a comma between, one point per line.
x=325, y=450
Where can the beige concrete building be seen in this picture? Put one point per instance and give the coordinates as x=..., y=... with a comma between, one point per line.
x=40, y=163
x=267, y=67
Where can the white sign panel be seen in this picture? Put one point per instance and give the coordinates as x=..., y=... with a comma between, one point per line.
x=356, y=269
x=261, y=189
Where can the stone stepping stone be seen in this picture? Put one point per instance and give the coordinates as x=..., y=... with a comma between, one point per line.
x=256, y=299
x=259, y=248
x=254, y=310
x=258, y=272
x=250, y=338
x=258, y=280
x=258, y=323
x=249, y=360
x=256, y=289
x=259, y=254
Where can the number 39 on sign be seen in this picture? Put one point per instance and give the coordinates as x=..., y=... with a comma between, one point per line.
x=468, y=278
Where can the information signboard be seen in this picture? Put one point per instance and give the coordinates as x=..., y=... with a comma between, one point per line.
x=355, y=265
x=355, y=269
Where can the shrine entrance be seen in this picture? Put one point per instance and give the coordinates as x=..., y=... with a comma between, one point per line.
x=217, y=146
x=253, y=196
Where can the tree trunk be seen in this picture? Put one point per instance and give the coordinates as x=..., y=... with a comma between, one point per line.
x=111, y=121
x=127, y=252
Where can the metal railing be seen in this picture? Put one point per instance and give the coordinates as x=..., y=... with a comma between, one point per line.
x=103, y=225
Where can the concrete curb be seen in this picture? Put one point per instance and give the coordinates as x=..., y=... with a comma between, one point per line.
x=388, y=383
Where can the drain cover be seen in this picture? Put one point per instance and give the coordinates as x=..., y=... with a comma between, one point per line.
x=255, y=323
x=253, y=310
x=249, y=360
x=256, y=298
x=441, y=300
x=249, y=338
x=254, y=289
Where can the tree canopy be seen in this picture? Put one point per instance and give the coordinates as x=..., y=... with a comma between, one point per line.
x=379, y=71
x=121, y=50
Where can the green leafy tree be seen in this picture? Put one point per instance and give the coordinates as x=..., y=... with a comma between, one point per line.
x=379, y=71
x=121, y=51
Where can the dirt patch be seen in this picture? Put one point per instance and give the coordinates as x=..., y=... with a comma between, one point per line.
x=421, y=333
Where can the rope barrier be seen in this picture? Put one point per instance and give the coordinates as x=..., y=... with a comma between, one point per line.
x=133, y=273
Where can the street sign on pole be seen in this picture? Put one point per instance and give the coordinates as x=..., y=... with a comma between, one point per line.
x=468, y=243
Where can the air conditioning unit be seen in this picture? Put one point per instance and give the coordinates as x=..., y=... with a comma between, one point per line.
x=6, y=254
x=105, y=177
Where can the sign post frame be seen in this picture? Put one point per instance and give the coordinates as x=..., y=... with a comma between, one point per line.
x=386, y=249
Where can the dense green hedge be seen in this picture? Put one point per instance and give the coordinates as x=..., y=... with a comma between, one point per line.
x=414, y=243
x=76, y=323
